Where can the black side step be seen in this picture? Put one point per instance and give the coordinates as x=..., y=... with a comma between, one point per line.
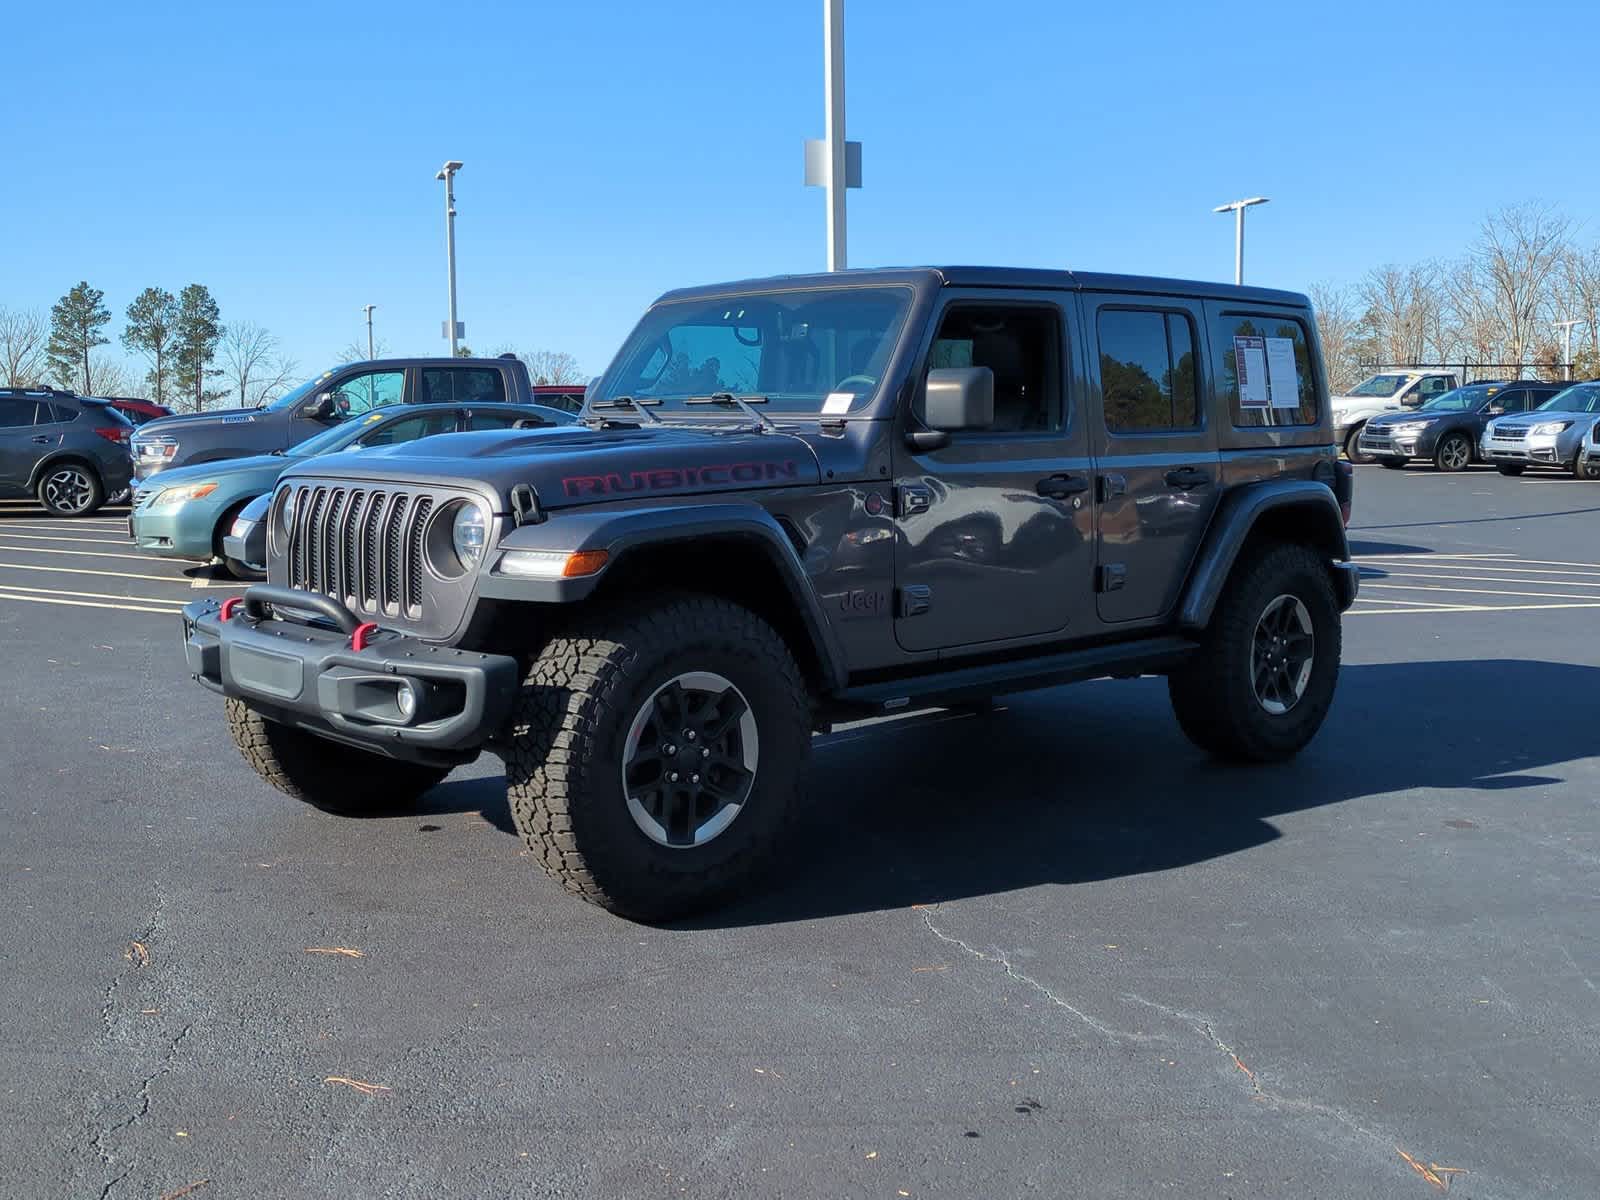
x=1153, y=656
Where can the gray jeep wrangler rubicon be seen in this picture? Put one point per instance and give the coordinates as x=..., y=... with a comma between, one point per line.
x=791, y=502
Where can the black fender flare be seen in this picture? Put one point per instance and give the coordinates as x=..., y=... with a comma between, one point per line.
x=1238, y=516
x=63, y=455
x=621, y=531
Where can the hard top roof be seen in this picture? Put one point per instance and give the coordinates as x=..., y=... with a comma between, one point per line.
x=1018, y=278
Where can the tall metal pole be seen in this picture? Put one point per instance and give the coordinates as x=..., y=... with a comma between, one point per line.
x=1238, y=245
x=369, y=308
x=448, y=174
x=833, y=132
x=1566, y=345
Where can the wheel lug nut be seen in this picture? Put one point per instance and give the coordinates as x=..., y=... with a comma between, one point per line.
x=690, y=734
x=694, y=779
x=669, y=749
x=704, y=753
x=673, y=777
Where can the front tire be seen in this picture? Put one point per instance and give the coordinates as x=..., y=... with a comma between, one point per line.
x=1453, y=453
x=71, y=489
x=655, y=754
x=327, y=775
x=1395, y=464
x=1263, y=680
x=1509, y=468
x=1352, y=447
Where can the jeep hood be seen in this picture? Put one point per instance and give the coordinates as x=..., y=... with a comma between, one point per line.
x=574, y=464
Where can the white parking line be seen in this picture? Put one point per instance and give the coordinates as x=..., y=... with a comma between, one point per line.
x=1358, y=611
x=78, y=553
x=160, y=612
x=1423, y=587
x=1481, y=579
x=17, y=587
x=1476, y=566
x=45, y=537
x=176, y=580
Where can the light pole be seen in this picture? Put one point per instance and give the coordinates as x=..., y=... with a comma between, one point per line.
x=368, y=308
x=1566, y=345
x=834, y=163
x=448, y=173
x=1237, y=207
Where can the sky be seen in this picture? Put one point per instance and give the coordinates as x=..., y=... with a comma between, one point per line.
x=284, y=155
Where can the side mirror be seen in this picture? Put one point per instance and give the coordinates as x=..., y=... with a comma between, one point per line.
x=1411, y=400
x=1495, y=410
x=320, y=407
x=959, y=398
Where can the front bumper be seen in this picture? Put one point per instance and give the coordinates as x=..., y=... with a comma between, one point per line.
x=246, y=542
x=1539, y=450
x=174, y=530
x=308, y=675
x=1383, y=443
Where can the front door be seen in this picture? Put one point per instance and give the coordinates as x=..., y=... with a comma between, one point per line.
x=1156, y=456
x=994, y=537
x=23, y=439
x=354, y=395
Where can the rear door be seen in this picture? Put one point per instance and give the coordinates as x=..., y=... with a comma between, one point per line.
x=1156, y=461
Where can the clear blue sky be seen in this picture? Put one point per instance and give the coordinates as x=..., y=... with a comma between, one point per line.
x=284, y=154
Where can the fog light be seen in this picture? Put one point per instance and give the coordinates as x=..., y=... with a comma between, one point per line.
x=406, y=700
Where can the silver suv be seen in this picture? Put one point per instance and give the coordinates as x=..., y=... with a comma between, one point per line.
x=1552, y=435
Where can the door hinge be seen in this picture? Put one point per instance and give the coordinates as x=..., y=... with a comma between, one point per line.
x=910, y=499
x=915, y=599
x=1112, y=577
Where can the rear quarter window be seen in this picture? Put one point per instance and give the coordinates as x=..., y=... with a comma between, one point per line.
x=1265, y=371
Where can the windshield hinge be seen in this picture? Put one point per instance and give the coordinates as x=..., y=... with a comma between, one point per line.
x=525, y=508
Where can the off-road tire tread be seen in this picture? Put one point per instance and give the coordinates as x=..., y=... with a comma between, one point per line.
x=571, y=692
x=1215, y=706
x=326, y=774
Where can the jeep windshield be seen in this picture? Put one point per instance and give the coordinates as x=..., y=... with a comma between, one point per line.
x=1585, y=398
x=808, y=351
x=1379, y=385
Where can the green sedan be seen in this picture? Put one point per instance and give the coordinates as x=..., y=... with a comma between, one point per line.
x=186, y=512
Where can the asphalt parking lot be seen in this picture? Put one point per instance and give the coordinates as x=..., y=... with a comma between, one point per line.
x=1048, y=951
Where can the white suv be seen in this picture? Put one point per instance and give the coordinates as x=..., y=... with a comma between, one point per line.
x=1386, y=391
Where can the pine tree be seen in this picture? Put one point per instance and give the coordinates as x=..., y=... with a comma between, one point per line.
x=198, y=329
x=75, y=324
x=152, y=330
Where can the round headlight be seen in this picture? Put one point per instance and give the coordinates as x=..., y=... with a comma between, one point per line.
x=468, y=532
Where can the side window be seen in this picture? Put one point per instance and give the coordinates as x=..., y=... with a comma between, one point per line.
x=478, y=385
x=14, y=414
x=1022, y=346
x=1266, y=370
x=434, y=386
x=479, y=419
x=1434, y=385
x=1514, y=401
x=409, y=429
x=363, y=393
x=1147, y=373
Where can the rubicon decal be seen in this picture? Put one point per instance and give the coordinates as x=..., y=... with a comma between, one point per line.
x=666, y=479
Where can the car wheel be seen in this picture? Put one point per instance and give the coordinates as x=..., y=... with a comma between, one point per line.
x=1576, y=465
x=1352, y=447
x=70, y=489
x=236, y=567
x=1262, y=681
x=655, y=752
x=1509, y=468
x=1454, y=453
x=327, y=775
x=1394, y=464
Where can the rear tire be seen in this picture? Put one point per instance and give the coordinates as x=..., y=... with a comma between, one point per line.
x=1230, y=699
x=1395, y=464
x=1453, y=453
x=71, y=489
x=615, y=705
x=327, y=775
x=1352, y=447
x=1509, y=468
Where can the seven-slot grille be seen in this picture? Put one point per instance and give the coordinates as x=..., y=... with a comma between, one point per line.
x=362, y=546
x=1509, y=433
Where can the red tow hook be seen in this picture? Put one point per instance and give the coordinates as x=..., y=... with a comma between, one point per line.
x=363, y=631
x=228, y=605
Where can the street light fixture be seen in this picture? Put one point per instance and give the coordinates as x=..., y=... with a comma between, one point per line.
x=1566, y=344
x=454, y=330
x=1237, y=207
x=368, y=309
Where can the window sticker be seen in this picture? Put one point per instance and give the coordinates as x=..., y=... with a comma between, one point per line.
x=836, y=404
x=1250, y=363
x=1282, y=378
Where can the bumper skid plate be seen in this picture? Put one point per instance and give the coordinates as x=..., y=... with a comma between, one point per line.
x=397, y=696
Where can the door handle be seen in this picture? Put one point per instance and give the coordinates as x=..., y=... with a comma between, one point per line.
x=1059, y=487
x=40, y=439
x=1185, y=478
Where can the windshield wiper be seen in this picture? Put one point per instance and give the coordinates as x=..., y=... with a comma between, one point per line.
x=637, y=405
x=742, y=403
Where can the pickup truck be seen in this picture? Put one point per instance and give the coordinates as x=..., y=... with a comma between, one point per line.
x=338, y=395
x=1387, y=391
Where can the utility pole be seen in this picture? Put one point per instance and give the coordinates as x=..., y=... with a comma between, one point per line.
x=369, y=308
x=1566, y=345
x=834, y=163
x=447, y=173
x=1237, y=207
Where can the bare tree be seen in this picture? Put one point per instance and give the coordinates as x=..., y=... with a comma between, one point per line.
x=249, y=353
x=1339, y=331
x=276, y=376
x=1402, y=316
x=1475, y=330
x=548, y=366
x=1580, y=297
x=23, y=337
x=356, y=351
x=112, y=377
x=1519, y=252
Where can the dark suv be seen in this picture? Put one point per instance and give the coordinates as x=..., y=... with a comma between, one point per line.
x=791, y=502
x=1447, y=429
x=69, y=451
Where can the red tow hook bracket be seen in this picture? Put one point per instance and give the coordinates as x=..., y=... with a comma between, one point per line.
x=228, y=605
x=363, y=631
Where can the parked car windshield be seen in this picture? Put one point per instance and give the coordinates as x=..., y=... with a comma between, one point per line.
x=290, y=399
x=1585, y=398
x=340, y=435
x=794, y=348
x=1459, y=400
x=1379, y=385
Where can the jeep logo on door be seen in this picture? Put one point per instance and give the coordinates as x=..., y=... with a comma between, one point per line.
x=667, y=479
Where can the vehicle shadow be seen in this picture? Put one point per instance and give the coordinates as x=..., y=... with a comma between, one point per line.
x=1359, y=547
x=1096, y=782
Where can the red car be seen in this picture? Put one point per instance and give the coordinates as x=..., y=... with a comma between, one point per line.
x=566, y=396
x=137, y=411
